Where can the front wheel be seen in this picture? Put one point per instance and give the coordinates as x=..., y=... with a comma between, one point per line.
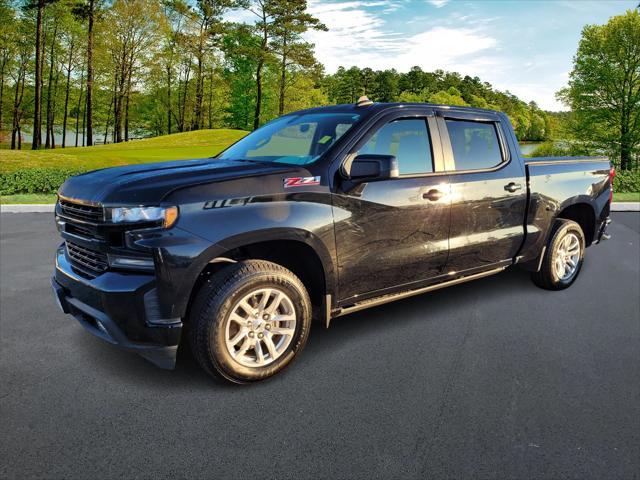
x=563, y=257
x=249, y=321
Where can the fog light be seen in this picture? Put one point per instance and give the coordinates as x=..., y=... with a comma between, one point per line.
x=135, y=263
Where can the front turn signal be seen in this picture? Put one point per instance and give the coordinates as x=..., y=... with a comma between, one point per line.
x=170, y=217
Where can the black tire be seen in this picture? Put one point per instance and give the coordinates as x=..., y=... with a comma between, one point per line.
x=216, y=301
x=548, y=277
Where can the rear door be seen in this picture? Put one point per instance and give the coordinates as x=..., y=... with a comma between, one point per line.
x=394, y=233
x=488, y=191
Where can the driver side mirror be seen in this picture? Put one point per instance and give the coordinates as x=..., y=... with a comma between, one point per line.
x=371, y=167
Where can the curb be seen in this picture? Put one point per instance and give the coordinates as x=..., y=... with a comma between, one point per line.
x=625, y=207
x=28, y=208
x=49, y=207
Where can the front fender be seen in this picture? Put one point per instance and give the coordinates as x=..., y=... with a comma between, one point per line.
x=297, y=217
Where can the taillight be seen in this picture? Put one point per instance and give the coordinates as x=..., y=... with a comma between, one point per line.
x=612, y=174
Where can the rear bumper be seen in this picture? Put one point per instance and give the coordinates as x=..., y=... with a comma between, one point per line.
x=119, y=309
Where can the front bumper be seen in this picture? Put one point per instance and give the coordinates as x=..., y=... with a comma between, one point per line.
x=119, y=308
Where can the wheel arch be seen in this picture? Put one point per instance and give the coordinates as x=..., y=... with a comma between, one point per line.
x=583, y=213
x=302, y=252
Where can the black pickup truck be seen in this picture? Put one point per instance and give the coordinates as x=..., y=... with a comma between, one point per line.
x=318, y=214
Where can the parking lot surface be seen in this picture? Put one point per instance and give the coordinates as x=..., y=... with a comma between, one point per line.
x=490, y=379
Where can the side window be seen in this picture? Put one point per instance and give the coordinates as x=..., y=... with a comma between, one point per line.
x=475, y=144
x=408, y=140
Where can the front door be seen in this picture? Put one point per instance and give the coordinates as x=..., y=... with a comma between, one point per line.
x=394, y=232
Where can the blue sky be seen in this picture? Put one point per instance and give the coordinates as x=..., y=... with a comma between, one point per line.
x=523, y=46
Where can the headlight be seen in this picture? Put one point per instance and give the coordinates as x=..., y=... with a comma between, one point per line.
x=167, y=215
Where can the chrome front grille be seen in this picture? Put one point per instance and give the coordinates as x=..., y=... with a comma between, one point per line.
x=87, y=259
x=81, y=211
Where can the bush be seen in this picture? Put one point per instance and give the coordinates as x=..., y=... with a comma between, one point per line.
x=35, y=180
x=561, y=149
x=626, y=181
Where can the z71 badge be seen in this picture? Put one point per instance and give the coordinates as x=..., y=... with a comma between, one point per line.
x=301, y=181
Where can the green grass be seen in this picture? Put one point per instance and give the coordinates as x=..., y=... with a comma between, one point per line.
x=188, y=145
x=28, y=198
x=626, y=197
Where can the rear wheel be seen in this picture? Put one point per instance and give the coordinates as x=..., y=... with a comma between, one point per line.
x=563, y=257
x=249, y=321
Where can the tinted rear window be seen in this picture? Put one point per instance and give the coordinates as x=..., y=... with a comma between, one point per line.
x=475, y=144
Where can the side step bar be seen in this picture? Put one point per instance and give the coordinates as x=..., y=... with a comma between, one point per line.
x=410, y=293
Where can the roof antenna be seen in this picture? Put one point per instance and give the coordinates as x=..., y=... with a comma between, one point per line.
x=363, y=101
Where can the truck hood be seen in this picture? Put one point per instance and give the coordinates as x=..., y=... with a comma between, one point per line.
x=146, y=184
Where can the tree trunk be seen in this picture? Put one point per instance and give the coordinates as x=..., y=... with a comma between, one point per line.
x=4, y=63
x=184, y=98
x=17, y=102
x=79, y=106
x=53, y=110
x=256, y=115
x=89, y=109
x=66, y=98
x=263, y=51
x=168, y=99
x=37, y=95
x=197, y=109
x=283, y=77
x=210, y=100
x=49, y=127
x=84, y=119
x=625, y=144
x=196, y=122
x=16, y=106
x=126, y=107
x=109, y=110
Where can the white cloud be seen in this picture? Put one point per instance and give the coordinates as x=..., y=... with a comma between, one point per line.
x=365, y=33
x=359, y=37
x=544, y=94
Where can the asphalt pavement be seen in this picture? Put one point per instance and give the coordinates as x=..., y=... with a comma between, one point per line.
x=490, y=379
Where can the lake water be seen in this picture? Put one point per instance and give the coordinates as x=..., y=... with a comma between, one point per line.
x=98, y=137
x=528, y=147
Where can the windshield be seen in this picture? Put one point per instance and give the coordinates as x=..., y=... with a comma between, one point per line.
x=294, y=139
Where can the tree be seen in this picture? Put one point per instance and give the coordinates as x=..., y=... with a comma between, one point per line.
x=7, y=47
x=88, y=10
x=604, y=87
x=24, y=50
x=291, y=20
x=211, y=27
x=176, y=12
x=264, y=11
x=71, y=44
x=51, y=86
x=132, y=36
x=39, y=6
x=240, y=45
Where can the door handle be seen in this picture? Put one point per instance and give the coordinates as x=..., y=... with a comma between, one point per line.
x=433, y=195
x=512, y=187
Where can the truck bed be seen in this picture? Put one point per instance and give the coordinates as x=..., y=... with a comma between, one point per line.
x=577, y=179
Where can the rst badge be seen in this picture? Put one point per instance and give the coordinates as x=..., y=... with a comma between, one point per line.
x=301, y=181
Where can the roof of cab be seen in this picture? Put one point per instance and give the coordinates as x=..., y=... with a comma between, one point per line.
x=379, y=106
